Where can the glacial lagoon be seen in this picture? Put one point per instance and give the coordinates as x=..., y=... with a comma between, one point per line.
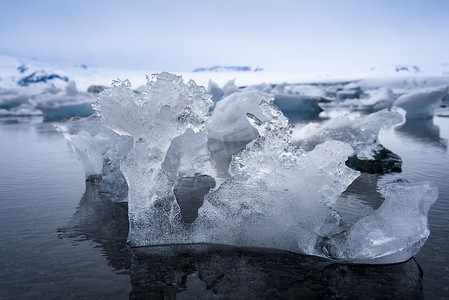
x=61, y=237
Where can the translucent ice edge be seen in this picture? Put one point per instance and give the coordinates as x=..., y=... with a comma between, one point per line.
x=278, y=196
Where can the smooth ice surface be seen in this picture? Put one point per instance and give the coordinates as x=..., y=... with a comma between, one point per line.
x=360, y=132
x=228, y=121
x=394, y=232
x=421, y=104
x=188, y=155
x=99, y=150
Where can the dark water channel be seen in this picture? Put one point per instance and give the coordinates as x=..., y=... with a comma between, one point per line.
x=60, y=239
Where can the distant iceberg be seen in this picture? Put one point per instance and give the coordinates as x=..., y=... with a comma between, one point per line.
x=26, y=91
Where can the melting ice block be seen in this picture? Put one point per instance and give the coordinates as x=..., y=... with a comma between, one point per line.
x=278, y=196
x=99, y=149
x=163, y=112
x=421, y=104
x=393, y=233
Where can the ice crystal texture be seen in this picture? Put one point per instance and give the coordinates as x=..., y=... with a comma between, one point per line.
x=279, y=196
x=163, y=112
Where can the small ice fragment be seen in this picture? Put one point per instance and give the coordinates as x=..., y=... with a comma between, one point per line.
x=393, y=233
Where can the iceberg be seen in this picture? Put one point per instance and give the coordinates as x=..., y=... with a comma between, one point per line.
x=290, y=99
x=421, y=104
x=277, y=195
x=228, y=121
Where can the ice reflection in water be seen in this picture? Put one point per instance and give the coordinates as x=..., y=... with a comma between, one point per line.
x=423, y=132
x=205, y=271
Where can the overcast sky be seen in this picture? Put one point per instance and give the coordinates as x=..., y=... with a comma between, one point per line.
x=183, y=35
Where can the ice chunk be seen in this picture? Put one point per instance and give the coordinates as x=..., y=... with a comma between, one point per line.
x=99, y=149
x=421, y=104
x=360, y=132
x=228, y=121
x=378, y=100
x=393, y=233
x=230, y=87
x=279, y=196
x=188, y=155
x=163, y=112
x=350, y=91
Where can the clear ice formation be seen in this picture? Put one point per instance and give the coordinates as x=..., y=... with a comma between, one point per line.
x=278, y=195
x=394, y=232
x=422, y=103
x=99, y=150
x=272, y=199
x=163, y=112
x=228, y=121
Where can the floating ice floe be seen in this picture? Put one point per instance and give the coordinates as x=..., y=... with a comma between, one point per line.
x=377, y=100
x=421, y=104
x=287, y=99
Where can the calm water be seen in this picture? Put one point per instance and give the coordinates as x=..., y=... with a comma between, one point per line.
x=60, y=239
